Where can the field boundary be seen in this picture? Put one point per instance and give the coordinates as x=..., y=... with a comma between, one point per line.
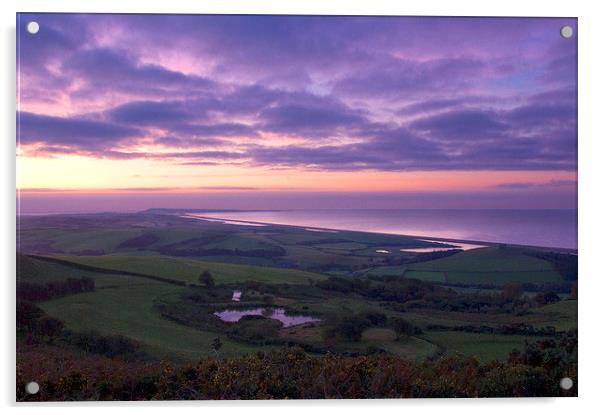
x=100, y=270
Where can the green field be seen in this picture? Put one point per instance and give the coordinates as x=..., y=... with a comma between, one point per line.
x=126, y=308
x=294, y=268
x=485, y=347
x=491, y=265
x=150, y=234
x=562, y=315
x=189, y=270
x=435, y=276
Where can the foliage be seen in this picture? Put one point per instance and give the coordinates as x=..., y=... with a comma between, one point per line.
x=512, y=291
x=206, y=278
x=255, y=329
x=403, y=327
x=290, y=373
x=347, y=327
x=46, y=291
x=547, y=298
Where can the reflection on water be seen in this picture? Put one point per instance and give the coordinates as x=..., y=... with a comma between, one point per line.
x=226, y=221
x=321, y=230
x=382, y=251
x=455, y=245
x=287, y=320
x=538, y=227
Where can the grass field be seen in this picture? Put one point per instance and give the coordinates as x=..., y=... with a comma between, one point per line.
x=562, y=315
x=492, y=265
x=189, y=270
x=434, y=276
x=31, y=270
x=148, y=234
x=127, y=305
x=485, y=347
x=126, y=308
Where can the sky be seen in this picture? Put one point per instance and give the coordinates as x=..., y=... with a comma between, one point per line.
x=295, y=111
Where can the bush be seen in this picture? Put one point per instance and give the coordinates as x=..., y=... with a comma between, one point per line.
x=256, y=329
x=207, y=279
x=376, y=318
x=42, y=292
x=403, y=327
x=346, y=328
x=546, y=298
x=110, y=345
x=289, y=373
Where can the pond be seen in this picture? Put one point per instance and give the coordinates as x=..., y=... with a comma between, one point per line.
x=287, y=320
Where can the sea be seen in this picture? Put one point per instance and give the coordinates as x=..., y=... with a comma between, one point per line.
x=554, y=228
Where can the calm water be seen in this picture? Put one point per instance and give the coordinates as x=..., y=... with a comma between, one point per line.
x=552, y=228
x=232, y=316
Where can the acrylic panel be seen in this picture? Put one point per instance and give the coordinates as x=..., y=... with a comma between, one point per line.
x=295, y=207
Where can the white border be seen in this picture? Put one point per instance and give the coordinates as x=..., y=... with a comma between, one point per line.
x=590, y=207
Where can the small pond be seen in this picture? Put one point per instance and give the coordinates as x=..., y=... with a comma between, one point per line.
x=287, y=320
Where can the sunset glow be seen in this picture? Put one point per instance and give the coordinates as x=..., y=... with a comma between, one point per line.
x=297, y=104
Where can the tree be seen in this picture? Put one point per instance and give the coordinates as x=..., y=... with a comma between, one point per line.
x=547, y=298
x=574, y=291
x=403, y=327
x=216, y=344
x=347, y=327
x=513, y=291
x=269, y=299
x=49, y=327
x=207, y=279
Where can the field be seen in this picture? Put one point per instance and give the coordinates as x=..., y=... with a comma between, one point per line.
x=148, y=287
x=492, y=265
x=124, y=305
x=188, y=270
x=486, y=347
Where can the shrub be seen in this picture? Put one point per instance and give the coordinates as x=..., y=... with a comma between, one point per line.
x=207, y=279
x=346, y=328
x=403, y=327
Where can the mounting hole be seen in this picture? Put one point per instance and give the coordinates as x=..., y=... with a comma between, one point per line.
x=33, y=27
x=566, y=383
x=32, y=388
x=566, y=32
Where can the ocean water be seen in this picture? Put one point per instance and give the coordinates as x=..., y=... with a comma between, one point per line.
x=548, y=228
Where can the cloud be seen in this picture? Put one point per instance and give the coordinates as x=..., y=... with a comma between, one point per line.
x=531, y=185
x=432, y=105
x=353, y=93
x=318, y=117
x=398, y=78
x=114, y=67
x=77, y=132
x=149, y=112
x=461, y=124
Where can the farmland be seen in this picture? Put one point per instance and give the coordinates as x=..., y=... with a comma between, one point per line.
x=157, y=281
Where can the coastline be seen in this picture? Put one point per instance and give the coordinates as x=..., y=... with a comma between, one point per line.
x=423, y=237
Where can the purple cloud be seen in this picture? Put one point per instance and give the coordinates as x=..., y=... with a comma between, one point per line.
x=357, y=93
x=462, y=124
x=74, y=131
x=149, y=112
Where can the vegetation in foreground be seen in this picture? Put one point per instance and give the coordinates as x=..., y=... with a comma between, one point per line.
x=292, y=374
